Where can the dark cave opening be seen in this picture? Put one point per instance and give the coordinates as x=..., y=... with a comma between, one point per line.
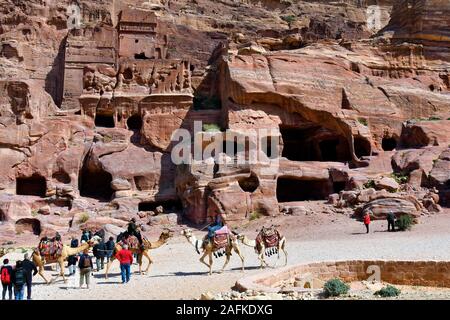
x=95, y=184
x=291, y=189
x=134, y=122
x=388, y=144
x=32, y=186
x=105, y=121
x=249, y=184
x=314, y=143
x=168, y=205
x=362, y=147
x=30, y=225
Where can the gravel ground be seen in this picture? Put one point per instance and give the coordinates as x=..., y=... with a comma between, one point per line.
x=177, y=273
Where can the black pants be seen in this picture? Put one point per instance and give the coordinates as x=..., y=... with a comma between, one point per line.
x=7, y=287
x=29, y=284
x=367, y=227
x=391, y=223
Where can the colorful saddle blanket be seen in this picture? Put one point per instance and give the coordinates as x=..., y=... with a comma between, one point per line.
x=50, y=248
x=131, y=241
x=269, y=237
x=220, y=240
x=223, y=230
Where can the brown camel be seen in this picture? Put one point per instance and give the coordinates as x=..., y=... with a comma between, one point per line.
x=165, y=235
x=209, y=248
x=67, y=251
x=260, y=248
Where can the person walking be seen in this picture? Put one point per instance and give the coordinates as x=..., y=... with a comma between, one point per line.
x=85, y=266
x=125, y=258
x=367, y=221
x=6, y=272
x=19, y=280
x=109, y=248
x=72, y=260
x=30, y=272
x=391, y=221
x=99, y=251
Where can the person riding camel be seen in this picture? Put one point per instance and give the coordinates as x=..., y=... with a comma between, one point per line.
x=218, y=224
x=133, y=230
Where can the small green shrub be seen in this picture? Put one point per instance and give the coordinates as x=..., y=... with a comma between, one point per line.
x=363, y=121
x=388, y=291
x=369, y=184
x=404, y=223
x=434, y=118
x=401, y=178
x=83, y=218
x=34, y=213
x=288, y=19
x=255, y=215
x=211, y=127
x=335, y=288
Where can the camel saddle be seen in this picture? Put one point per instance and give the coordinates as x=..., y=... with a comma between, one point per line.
x=220, y=240
x=131, y=241
x=270, y=237
x=50, y=248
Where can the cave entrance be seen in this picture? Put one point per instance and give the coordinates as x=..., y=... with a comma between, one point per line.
x=141, y=56
x=2, y=216
x=168, y=205
x=95, y=184
x=105, y=121
x=362, y=147
x=134, y=122
x=32, y=186
x=291, y=189
x=339, y=186
x=249, y=184
x=314, y=143
x=30, y=225
x=388, y=144
x=328, y=150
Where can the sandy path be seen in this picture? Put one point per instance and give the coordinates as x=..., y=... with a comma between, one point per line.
x=177, y=274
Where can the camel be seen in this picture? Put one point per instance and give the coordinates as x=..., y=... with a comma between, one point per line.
x=210, y=248
x=260, y=248
x=165, y=235
x=67, y=251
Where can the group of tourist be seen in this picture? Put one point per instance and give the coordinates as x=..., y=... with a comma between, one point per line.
x=17, y=277
x=390, y=220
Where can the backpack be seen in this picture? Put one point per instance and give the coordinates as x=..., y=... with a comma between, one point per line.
x=6, y=277
x=87, y=262
x=19, y=277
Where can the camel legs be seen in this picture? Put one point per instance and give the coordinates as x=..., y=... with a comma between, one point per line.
x=108, y=265
x=238, y=251
x=283, y=244
x=139, y=260
x=150, y=261
x=202, y=260
x=41, y=273
x=227, y=259
x=61, y=272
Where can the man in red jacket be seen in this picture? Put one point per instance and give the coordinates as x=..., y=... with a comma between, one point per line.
x=367, y=221
x=125, y=258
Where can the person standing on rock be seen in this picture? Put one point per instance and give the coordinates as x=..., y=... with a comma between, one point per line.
x=72, y=260
x=6, y=276
x=30, y=272
x=18, y=281
x=125, y=258
x=391, y=221
x=109, y=248
x=86, y=267
x=367, y=221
